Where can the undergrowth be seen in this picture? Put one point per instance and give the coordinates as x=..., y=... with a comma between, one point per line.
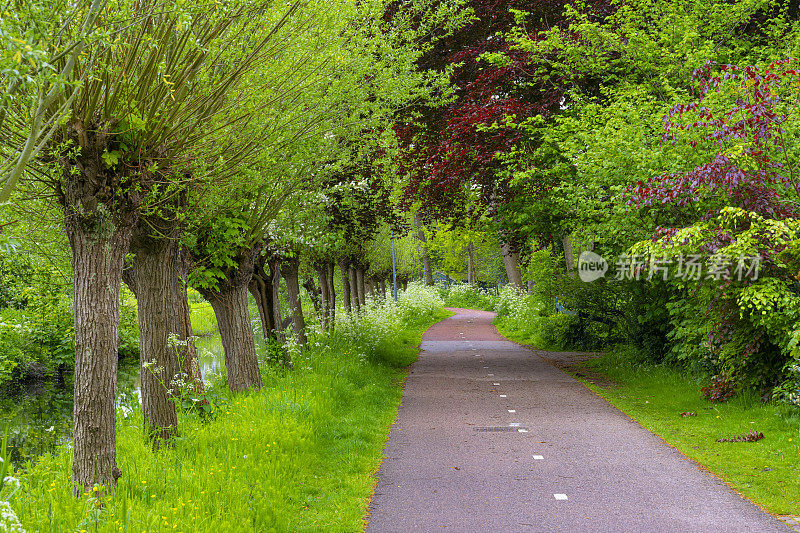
x=299, y=455
x=466, y=296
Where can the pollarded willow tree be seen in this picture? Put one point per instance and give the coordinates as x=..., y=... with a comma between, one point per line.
x=149, y=95
x=358, y=202
x=345, y=78
x=37, y=96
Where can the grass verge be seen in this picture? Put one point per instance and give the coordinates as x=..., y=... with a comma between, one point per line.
x=204, y=321
x=538, y=331
x=655, y=396
x=299, y=455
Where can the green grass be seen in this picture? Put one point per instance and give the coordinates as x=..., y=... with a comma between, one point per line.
x=765, y=471
x=299, y=455
x=543, y=332
x=204, y=321
x=465, y=296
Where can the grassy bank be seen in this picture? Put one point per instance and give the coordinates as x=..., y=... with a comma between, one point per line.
x=299, y=455
x=655, y=396
x=466, y=296
x=204, y=321
x=544, y=332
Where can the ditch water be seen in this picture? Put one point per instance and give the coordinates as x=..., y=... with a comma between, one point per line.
x=39, y=411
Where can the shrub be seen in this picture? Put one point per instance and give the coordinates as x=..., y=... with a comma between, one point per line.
x=720, y=389
x=737, y=326
x=466, y=296
x=36, y=325
x=527, y=318
x=512, y=303
x=377, y=332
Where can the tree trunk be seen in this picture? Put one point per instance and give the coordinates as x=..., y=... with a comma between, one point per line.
x=290, y=270
x=229, y=301
x=101, y=209
x=569, y=256
x=331, y=295
x=261, y=288
x=315, y=293
x=471, y=276
x=152, y=277
x=510, y=255
x=426, y=260
x=97, y=264
x=354, y=289
x=345, y=285
x=322, y=274
x=362, y=300
x=511, y=262
x=190, y=364
x=277, y=315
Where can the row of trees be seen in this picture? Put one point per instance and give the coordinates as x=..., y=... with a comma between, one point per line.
x=207, y=146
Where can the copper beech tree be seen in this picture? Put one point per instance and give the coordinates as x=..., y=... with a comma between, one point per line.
x=452, y=152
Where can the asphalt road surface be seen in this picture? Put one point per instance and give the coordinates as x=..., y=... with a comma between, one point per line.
x=491, y=437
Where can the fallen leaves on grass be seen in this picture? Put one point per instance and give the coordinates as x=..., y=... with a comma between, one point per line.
x=746, y=437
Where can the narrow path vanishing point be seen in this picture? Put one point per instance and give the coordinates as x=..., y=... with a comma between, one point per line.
x=491, y=437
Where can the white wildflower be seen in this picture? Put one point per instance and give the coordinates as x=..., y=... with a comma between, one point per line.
x=8, y=519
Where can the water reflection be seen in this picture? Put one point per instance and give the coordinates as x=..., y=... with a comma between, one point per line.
x=211, y=356
x=39, y=411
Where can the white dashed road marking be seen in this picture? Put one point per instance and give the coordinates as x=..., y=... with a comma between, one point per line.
x=560, y=496
x=538, y=457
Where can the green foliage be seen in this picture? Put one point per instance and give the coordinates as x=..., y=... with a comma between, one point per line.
x=534, y=318
x=739, y=329
x=36, y=321
x=379, y=253
x=9, y=485
x=216, y=244
x=379, y=330
x=571, y=171
x=15, y=274
x=523, y=318
x=467, y=296
x=449, y=247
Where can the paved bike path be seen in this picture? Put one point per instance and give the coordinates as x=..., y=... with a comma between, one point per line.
x=491, y=437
